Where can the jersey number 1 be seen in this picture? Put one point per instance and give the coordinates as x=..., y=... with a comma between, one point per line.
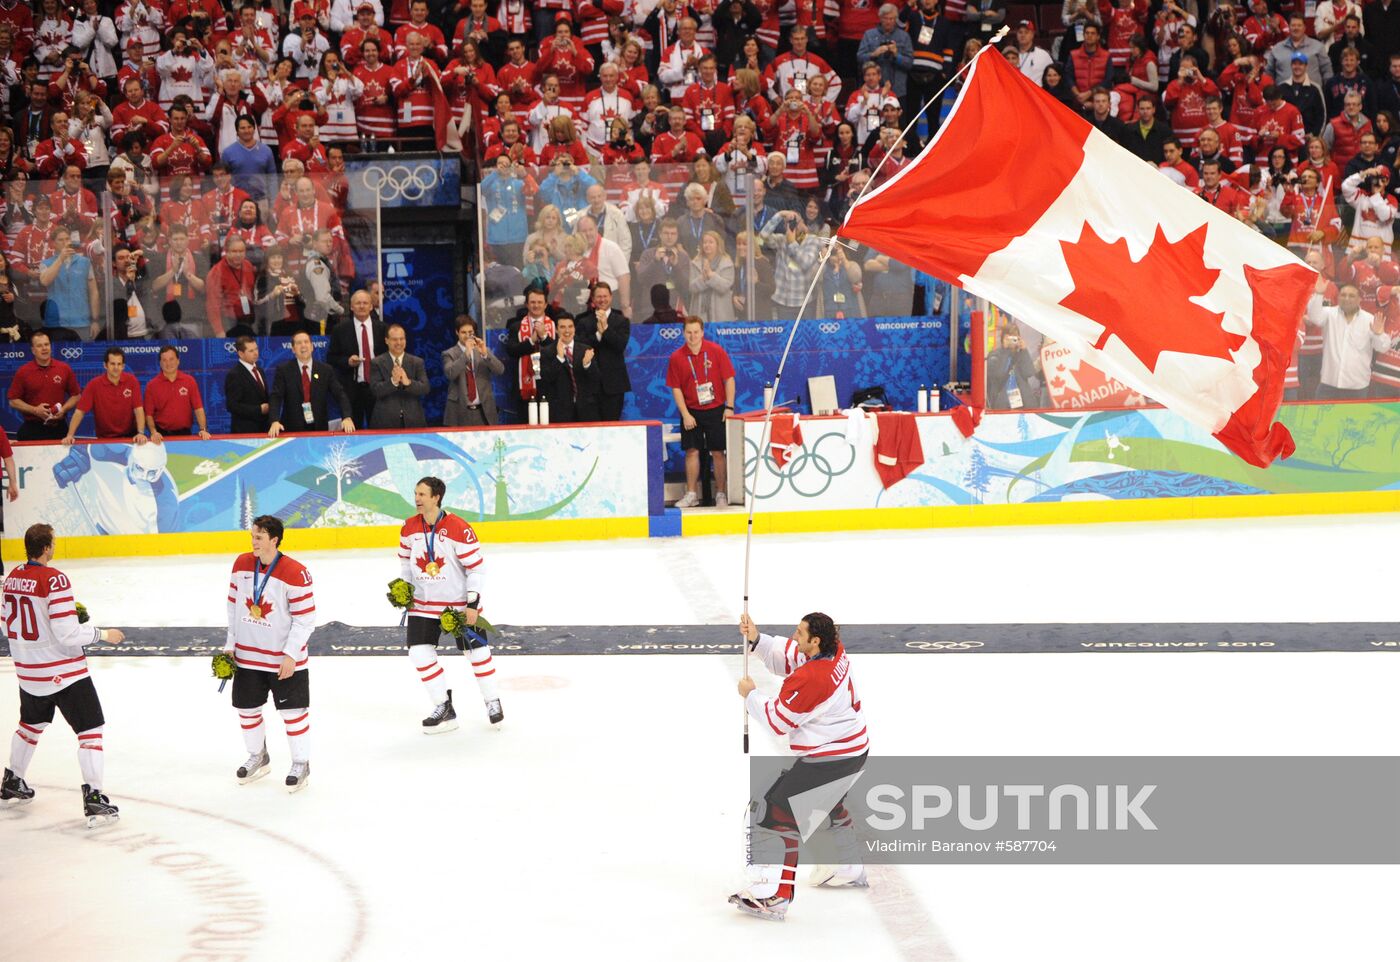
x=20, y=606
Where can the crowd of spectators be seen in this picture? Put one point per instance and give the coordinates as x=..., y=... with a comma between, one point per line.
x=176, y=167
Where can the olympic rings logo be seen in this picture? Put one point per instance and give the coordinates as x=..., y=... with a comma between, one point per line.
x=943, y=645
x=401, y=182
x=810, y=473
x=72, y=353
x=228, y=347
x=829, y=327
x=670, y=333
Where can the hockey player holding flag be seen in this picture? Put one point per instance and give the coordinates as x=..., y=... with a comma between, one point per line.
x=441, y=558
x=46, y=642
x=818, y=710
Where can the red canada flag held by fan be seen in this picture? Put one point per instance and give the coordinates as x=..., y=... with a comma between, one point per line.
x=1022, y=202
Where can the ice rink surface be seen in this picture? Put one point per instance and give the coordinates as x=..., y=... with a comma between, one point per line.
x=602, y=820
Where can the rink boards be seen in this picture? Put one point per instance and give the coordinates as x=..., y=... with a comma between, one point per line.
x=604, y=481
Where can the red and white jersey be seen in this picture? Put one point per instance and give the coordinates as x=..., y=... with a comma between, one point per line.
x=791, y=71
x=370, y=116
x=435, y=44
x=337, y=98
x=599, y=109
x=441, y=577
x=679, y=68
x=41, y=622
x=817, y=708
x=265, y=627
x=412, y=84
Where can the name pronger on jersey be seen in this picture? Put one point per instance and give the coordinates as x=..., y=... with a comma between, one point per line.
x=41, y=622
x=440, y=578
x=262, y=629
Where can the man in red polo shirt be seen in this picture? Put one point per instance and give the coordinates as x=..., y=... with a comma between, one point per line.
x=115, y=400
x=701, y=380
x=44, y=391
x=173, y=403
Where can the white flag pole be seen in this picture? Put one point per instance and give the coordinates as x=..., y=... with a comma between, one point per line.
x=750, y=494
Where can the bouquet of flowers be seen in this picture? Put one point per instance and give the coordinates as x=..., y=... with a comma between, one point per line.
x=454, y=622
x=400, y=593
x=224, y=667
x=83, y=616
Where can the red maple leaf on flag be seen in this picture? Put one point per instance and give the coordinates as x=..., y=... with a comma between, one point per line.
x=1145, y=304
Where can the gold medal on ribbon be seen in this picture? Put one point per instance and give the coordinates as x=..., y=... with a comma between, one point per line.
x=432, y=568
x=255, y=611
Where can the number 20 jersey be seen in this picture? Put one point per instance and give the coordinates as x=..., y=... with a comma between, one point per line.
x=41, y=622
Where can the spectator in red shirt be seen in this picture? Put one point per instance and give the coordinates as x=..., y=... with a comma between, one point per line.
x=135, y=112
x=710, y=106
x=1175, y=167
x=172, y=400
x=1221, y=194
x=701, y=379
x=44, y=390
x=229, y=289
x=677, y=145
x=114, y=399
x=564, y=57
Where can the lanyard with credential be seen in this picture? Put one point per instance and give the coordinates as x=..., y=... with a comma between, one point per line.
x=705, y=355
x=260, y=586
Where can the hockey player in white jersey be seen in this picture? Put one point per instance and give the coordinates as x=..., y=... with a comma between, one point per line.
x=440, y=556
x=818, y=711
x=46, y=643
x=271, y=614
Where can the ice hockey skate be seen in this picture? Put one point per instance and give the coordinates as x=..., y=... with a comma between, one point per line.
x=254, y=768
x=494, y=712
x=15, y=789
x=773, y=908
x=839, y=876
x=98, y=808
x=298, y=777
x=443, y=718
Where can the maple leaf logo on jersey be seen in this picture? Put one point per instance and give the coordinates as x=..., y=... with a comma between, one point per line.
x=429, y=568
x=181, y=75
x=259, y=612
x=1107, y=285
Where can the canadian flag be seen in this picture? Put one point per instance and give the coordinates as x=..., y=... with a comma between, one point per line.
x=1022, y=202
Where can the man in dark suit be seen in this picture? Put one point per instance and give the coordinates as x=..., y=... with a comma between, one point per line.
x=569, y=373
x=301, y=391
x=607, y=330
x=245, y=391
x=469, y=366
x=354, y=343
x=399, y=381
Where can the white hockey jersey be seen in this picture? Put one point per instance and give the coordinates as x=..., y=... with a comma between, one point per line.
x=262, y=629
x=440, y=578
x=41, y=622
x=817, y=708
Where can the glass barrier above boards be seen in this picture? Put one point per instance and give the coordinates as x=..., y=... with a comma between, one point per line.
x=726, y=239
